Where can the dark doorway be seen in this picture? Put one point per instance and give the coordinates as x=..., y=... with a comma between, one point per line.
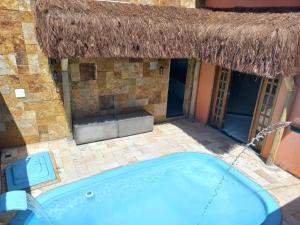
x=240, y=108
x=178, y=72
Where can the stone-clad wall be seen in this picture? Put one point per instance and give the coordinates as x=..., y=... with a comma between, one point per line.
x=119, y=86
x=40, y=115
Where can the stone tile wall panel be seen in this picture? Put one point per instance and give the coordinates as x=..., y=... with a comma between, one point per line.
x=40, y=115
x=121, y=85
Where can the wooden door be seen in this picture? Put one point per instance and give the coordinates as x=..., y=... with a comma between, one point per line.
x=264, y=107
x=221, y=93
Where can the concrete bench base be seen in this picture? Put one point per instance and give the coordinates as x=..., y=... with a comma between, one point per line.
x=135, y=123
x=101, y=128
x=95, y=129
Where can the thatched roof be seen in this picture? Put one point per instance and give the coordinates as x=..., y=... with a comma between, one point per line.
x=263, y=43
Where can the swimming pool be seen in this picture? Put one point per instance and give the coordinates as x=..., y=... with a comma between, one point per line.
x=171, y=190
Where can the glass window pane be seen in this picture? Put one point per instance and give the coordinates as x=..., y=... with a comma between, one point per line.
x=261, y=118
x=265, y=100
x=274, y=90
x=268, y=88
x=263, y=108
x=270, y=102
x=266, y=122
x=268, y=113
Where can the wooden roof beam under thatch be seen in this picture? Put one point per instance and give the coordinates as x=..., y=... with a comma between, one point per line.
x=263, y=43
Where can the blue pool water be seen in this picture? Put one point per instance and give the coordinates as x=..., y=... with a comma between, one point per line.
x=171, y=190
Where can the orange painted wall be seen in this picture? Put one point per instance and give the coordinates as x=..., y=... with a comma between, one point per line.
x=288, y=156
x=251, y=3
x=205, y=92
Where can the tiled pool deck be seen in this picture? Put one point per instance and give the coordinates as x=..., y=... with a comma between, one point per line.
x=75, y=162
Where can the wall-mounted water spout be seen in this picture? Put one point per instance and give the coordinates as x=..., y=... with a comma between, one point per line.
x=13, y=200
x=20, y=200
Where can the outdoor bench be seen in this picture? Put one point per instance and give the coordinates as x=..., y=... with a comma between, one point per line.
x=94, y=129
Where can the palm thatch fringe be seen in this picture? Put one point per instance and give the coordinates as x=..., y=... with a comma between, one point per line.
x=263, y=43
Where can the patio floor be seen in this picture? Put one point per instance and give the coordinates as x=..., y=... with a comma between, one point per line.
x=75, y=162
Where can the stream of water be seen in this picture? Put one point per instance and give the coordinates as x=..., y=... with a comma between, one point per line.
x=37, y=209
x=259, y=137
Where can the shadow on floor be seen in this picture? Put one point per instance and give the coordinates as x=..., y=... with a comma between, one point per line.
x=291, y=212
x=237, y=126
x=209, y=137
